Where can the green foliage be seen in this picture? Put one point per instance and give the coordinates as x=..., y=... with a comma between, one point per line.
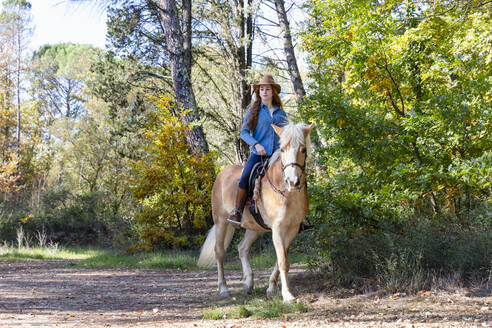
x=404, y=101
x=8, y=174
x=58, y=76
x=14, y=31
x=134, y=32
x=9, y=159
x=123, y=85
x=71, y=175
x=19, y=3
x=173, y=184
x=401, y=94
x=363, y=239
x=68, y=219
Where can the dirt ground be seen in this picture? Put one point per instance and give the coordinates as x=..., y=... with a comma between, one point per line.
x=54, y=294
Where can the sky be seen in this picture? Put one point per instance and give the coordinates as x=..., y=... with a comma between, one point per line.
x=58, y=21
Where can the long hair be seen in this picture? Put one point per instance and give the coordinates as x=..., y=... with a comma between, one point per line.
x=254, y=107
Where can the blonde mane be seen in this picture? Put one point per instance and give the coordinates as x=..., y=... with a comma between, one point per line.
x=293, y=134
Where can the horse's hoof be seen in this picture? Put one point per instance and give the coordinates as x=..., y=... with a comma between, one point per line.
x=224, y=294
x=247, y=289
x=290, y=300
x=270, y=293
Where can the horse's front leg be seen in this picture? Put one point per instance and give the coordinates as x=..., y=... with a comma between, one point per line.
x=282, y=238
x=219, y=255
x=243, y=248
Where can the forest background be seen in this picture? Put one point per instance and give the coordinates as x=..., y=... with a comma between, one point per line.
x=119, y=147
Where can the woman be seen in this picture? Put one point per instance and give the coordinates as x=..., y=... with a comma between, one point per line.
x=257, y=131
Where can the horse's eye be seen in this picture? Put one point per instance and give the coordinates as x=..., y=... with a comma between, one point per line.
x=303, y=150
x=281, y=150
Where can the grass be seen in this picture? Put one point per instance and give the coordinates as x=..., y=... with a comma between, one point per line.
x=105, y=258
x=98, y=258
x=264, y=260
x=43, y=253
x=154, y=260
x=255, y=308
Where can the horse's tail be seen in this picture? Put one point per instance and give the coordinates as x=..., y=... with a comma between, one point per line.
x=207, y=254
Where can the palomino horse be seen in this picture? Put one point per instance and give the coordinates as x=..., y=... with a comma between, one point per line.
x=282, y=202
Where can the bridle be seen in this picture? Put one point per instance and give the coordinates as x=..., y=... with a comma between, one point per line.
x=302, y=167
x=283, y=167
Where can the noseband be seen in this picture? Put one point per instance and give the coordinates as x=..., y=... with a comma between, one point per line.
x=302, y=167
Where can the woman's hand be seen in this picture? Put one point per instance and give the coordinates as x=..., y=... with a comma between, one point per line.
x=260, y=150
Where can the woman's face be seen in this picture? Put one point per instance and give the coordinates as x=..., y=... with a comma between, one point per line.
x=266, y=93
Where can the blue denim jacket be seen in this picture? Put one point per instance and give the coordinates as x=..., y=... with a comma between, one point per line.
x=264, y=133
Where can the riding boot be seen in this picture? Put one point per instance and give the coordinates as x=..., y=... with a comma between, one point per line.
x=236, y=215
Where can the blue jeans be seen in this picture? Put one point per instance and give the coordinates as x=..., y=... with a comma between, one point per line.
x=248, y=167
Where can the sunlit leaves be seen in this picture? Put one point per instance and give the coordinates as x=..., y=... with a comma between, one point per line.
x=403, y=91
x=173, y=184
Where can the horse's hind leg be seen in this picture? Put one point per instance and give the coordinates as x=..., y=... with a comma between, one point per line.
x=244, y=246
x=272, y=284
x=220, y=233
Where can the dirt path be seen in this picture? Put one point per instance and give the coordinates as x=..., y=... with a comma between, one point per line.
x=53, y=294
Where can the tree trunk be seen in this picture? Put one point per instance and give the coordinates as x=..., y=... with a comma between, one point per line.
x=241, y=54
x=244, y=53
x=18, y=90
x=249, y=33
x=187, y=34
x=183, y=91
x=295, y=76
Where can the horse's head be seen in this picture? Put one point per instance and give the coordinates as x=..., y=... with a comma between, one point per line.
x=294, y=139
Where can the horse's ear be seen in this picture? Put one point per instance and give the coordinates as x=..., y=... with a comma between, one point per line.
x=278, y=130
x=307, y=129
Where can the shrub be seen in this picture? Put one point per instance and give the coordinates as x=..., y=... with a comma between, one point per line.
x=172, y=184
x=403, y=152
x=360, y=240
x=83, y=219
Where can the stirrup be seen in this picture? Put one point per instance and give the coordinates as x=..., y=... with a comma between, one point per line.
x=235, y=218
x=305, y=227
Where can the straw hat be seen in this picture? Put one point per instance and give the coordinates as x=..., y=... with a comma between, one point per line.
x=267, y=79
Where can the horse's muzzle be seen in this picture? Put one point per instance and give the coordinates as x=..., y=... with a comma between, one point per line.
x=293, y=183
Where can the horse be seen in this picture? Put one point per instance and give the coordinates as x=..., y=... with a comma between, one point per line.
x=282, y=202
